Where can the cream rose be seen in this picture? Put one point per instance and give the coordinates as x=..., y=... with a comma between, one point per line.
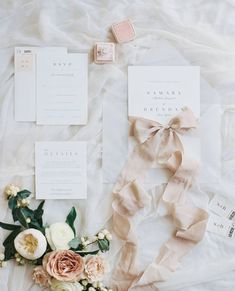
x=95, y=268
x=64, y=265
x=59, y=235
x=30, y=244
x=65, y=286
x=41, y=277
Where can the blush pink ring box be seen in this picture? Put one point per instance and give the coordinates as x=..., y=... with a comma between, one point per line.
x=104, y=52
x=123, y=31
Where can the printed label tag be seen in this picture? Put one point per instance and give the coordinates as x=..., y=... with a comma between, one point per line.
x=222, y=207
x=221, y=226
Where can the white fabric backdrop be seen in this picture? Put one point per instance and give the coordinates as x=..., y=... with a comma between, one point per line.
x=202, y=30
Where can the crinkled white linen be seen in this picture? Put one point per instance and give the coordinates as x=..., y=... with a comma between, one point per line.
x=203, y=32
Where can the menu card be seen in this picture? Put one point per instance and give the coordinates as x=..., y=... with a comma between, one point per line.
x=61, y=89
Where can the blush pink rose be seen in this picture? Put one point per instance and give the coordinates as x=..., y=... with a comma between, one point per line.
x=95, y=268
x=41, y=277
x=64, y=265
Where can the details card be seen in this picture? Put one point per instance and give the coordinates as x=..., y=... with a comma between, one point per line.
x=61, y=170
x=159, y=92
x=62, y=89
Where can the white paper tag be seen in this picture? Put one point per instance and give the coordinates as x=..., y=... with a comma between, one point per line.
x=221, y=226
x=222, y=207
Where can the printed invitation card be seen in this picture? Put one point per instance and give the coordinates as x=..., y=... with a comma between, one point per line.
x=61, y=170
x=61, y=88
x=160, y=92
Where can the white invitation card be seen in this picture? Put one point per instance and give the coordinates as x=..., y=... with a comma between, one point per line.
x=25, y=80
x=160, y=92
x=62, y=88
x=61, y=170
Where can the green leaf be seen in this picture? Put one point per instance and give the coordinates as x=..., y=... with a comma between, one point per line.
x=103, y=245
x=11, y=237
x=74, y=243
x=9, y=226
x=83, y=254
x=38, y=213
x=9, y=252
x=12, y=203
x=24, y=194
x=39, y=261
x=28, y=212
x=21, y=217
x=36, y=225
x=14, y=211
x=71, y=218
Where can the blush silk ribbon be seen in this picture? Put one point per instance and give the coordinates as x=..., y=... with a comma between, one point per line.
x=161, y=144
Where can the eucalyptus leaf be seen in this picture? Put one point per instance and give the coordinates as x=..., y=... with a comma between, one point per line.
x=14, y=214
x=9, y=252
x=11, y=237
x=71, y=218
x=83, y=254
x=9, y=226
x=74, y=243
x=36, y=225
x=21, y=217
x=103, y=245
x=38, y=213
x=28, y=212
x=24, y=194
x=12, y=203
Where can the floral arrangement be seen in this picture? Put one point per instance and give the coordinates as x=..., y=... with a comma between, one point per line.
x=62, y=260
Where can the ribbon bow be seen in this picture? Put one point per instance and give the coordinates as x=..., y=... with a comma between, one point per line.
x=160, y=143
x=164, y=138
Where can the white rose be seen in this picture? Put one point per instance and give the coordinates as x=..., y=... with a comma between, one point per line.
x=30, y=244
x=59, y=235
x=65, y=286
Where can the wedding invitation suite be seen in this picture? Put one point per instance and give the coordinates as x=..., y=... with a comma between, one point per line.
x=160, y=92
x=61, y=170
x=61, y=88
x=25, y=80
x=157, y=92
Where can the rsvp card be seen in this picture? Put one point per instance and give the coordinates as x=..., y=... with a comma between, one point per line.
x=61, y=170
x=160, y=92
x=62, y=88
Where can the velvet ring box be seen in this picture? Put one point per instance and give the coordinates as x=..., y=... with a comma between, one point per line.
x=123, y=31
x=104, y=52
